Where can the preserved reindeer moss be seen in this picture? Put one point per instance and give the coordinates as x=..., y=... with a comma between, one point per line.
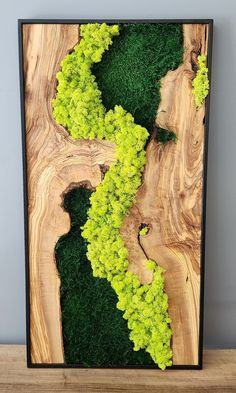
x=94, y=332
x=143, y=231
x=201, y=82
x=78, y=107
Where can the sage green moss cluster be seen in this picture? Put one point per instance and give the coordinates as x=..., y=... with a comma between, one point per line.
x=79, y=108
x=201, y=82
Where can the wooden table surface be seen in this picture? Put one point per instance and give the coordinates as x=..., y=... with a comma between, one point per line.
x=218, y=375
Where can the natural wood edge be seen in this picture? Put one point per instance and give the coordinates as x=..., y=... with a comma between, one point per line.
x=218, y=375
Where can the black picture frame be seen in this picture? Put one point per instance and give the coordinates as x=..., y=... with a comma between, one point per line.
x=22, y=22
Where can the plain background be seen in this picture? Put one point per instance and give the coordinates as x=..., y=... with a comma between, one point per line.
x=220, y=281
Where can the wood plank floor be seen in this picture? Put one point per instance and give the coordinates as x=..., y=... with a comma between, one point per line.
x=218, y=375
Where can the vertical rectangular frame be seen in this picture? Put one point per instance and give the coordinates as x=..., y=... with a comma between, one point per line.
x=21, y=22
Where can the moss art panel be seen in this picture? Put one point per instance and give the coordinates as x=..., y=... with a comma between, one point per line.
x=115, y=131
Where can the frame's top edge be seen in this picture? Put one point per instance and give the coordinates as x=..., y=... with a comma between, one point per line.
x=84, y=20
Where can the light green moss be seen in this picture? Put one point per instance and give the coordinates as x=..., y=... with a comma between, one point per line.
x=143, y=231
x=78, y=107
x=201, y=82
x=151, y=265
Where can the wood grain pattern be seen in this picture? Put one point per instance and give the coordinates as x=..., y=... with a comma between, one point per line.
x=170, y=201
x=218, y=375
x=55, y=164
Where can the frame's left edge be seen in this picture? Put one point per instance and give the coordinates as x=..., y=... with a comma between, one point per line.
x=25, y=187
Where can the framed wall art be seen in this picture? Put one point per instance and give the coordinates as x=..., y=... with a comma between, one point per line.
x=115, y=126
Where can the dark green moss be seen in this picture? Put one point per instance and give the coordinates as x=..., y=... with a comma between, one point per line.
x=94, y=332
x=130, y=71
x=164, y=136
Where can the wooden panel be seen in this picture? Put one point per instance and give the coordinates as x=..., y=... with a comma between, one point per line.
x=55, y=164
x=218, y=375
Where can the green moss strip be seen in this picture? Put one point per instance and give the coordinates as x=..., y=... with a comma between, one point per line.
x=94, y=332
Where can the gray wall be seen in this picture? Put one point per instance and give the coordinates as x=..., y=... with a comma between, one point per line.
x=220, y=292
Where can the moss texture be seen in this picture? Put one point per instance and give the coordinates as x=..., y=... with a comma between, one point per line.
x=165, y=136
x=201, y=82
x=94, y=332
x=130, y=72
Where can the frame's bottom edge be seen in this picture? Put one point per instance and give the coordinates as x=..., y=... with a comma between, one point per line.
x=129, y=367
